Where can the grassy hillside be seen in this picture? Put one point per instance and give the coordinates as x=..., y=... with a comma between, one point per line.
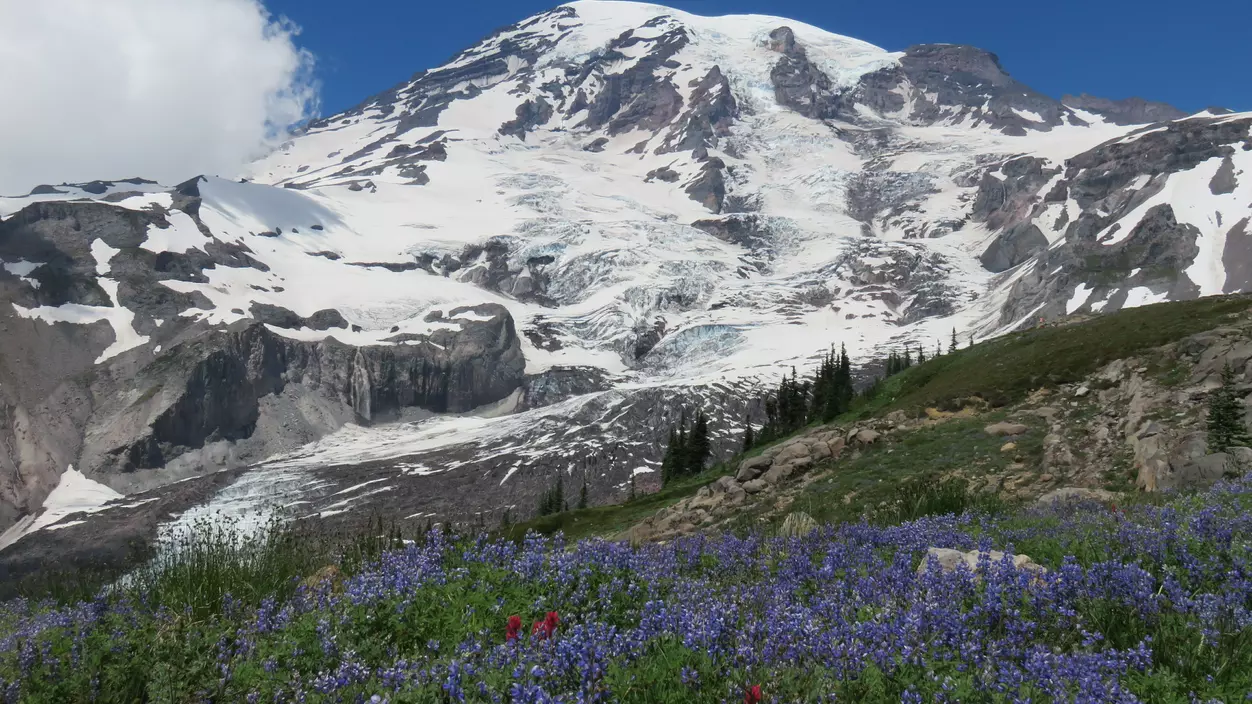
x=1008, y=368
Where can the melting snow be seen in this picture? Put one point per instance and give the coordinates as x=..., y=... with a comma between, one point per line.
x=74, y=493
x=1081, y=294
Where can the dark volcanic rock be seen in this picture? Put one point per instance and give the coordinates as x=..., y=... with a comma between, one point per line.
x=744, y=229
x=1180, y=146
x=664, y=173
x=209, y=388
x=560, y=383
x=1237, y=258
x=1224, y=181
x=951, y=82
x=798, y=83
x=1013, y=247
x=712, y=110
x=530, y=115
x=1007, y=200
x=709, y=186
x=1131, y=111
x=635, y=98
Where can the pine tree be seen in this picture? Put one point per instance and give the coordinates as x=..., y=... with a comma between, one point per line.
x=699, y=451
x=681, y=450
x=747, y=433
x=558, y=500
x=669, y=467
x=921, y=355
x=632, y=487
x=1225, y=424
x=844, y=380
x=582, y=495
x=938, y=349
x=506, y=520
x=952, y=346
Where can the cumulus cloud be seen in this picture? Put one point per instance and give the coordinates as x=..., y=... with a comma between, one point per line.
x=159, y=89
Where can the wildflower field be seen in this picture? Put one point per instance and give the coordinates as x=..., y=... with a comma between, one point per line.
x=1144, y=603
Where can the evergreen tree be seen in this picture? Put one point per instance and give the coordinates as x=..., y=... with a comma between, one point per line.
x=1225, y=423
x=558, y=500
x=952, y=346
x=582, y=495
x=506, y=520
x=700, y=449
x=747, y=433
x=632, y=487
x=938, y=349
x=921, y=355
x=844, y=380
x=669, y=467
x=682, y=450
x=971, y=339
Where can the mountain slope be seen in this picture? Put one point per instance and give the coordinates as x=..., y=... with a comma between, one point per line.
x=573, y=229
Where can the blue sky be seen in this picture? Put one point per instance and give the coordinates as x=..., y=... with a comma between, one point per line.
x=1190, y=54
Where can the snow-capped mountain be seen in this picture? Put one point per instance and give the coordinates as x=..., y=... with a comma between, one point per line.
x=525, y=262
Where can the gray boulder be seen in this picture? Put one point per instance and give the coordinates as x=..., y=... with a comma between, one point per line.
x=1004, y=429
x=752, y=467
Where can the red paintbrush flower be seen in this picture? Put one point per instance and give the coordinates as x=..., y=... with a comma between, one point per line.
x=513, y=628
x=753, y=695
x=550, y=622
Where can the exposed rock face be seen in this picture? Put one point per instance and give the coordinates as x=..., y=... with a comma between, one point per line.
x=949, y=82
x=1007, y=199
x=1107, y=250
x=712, y=109
x=530, y=115
x=1014, y=247
x=213, y=386
x=798, y=83
x=1131, y=111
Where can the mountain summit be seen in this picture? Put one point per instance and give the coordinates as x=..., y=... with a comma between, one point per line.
x=526, y=262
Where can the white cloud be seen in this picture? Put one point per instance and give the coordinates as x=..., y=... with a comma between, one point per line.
x=160, y=89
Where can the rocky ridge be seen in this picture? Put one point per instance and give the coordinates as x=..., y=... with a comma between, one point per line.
x=1135, y=425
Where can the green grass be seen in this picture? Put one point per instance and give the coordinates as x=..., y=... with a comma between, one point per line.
x=1008, y=368
x=907, y=469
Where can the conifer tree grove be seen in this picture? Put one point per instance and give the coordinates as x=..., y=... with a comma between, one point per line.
x=687, y=451
x=1225, y=423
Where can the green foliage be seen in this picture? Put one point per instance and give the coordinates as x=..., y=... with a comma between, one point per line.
x=687, y=453
x=553, y=500
x=1225, y=422
x=749, y=438
x=1008, y=368
x=902, y=477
